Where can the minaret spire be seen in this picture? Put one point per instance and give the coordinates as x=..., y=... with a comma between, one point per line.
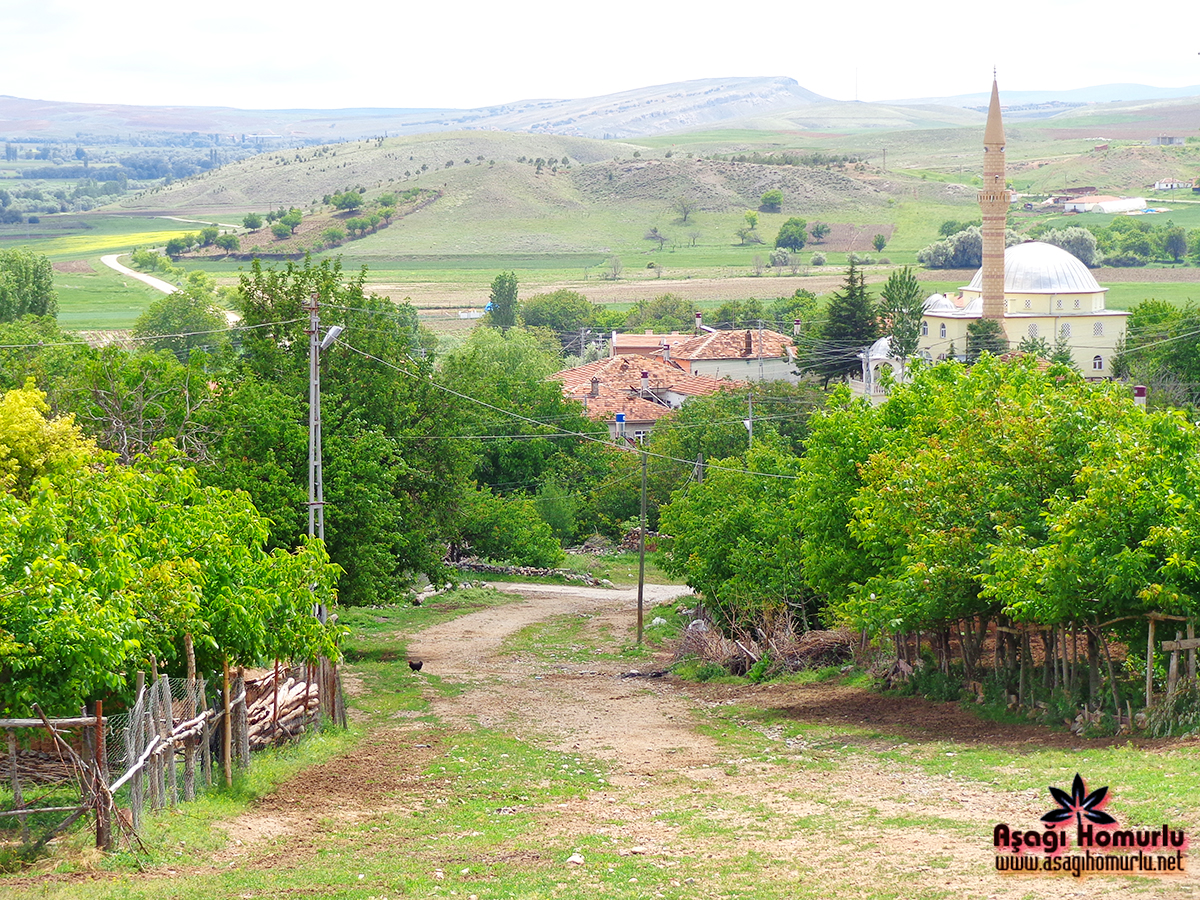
x=994, y=200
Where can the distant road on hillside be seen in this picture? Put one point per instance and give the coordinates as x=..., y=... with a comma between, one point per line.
x=157, y=283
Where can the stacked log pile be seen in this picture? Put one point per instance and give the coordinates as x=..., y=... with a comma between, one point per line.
x=277, y=710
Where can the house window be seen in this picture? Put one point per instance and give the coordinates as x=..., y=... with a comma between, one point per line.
x=1098, y=329
x=942, y=330
x=1066, y=330
x=1029, y=303
x=1033, y=329
x=1077, y=303
x=924, y=328
x=1097, y=362
x=640, y=436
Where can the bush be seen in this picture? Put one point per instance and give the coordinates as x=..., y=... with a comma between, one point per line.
x=818, y=259
x=1124, y=260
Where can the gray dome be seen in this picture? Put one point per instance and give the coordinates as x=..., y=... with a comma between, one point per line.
x=1038, y=268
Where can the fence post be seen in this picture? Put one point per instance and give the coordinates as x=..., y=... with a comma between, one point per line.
x=18, y=798
x=100, y=792
x=1150, y=665
x=206, y=736
x=189, y=713
x=243, y=721
x=227, y=728
x=134, y=745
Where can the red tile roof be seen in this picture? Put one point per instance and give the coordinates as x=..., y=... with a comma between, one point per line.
x=740, y=344
x=625, y=373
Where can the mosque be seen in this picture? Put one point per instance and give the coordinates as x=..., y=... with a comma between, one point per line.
x=1032, y=289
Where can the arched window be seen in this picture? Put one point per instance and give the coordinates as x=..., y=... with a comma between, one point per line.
x=942, y=330
x=1098, y=329
x=924, y=328
x=1097, y=363
x=1066, y=329
x=1033, y=329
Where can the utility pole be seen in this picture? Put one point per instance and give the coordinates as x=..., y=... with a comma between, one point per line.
x=750, y=421
x=316, y=490
x=642, y=552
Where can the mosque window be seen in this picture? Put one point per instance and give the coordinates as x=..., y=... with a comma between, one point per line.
x=924, y=328
x=1098, y=329
x=942, y=330
x=1029, y=303
x=1058, y=303
x=1033, y=329
x=1077, y=303
x=1066, y=330
x=1097, y=362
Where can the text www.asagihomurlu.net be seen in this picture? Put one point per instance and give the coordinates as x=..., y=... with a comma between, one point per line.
x=1079, y=864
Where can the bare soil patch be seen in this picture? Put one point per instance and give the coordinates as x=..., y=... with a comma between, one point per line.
x=74, y=267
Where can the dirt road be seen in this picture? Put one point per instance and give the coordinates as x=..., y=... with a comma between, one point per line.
x=836, y=806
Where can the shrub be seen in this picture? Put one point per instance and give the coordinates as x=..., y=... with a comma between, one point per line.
x=818, y=259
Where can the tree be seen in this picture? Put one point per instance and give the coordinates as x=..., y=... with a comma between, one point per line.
x=656, y=236
x=879, y=242
x=771, y=201
x=349, y=201
x=182, y=321
x=292, y=219
x=819, y=232
x=1175, y=243
x=613, y=268
x=563, y=311
x=685, y=205
x=1079, y=242
x=208, y=235
x=175, y=247
x=252, y=221
x=333, y=235
x=666, y=312
x=228, y=242
x=503, y=305
x=901, y=307
x=985, y=336
x=851, y=325
x=792, y=235
x=26, y=285
x=280, y=230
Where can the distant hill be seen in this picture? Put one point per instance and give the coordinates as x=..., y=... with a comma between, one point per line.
x=645, y=111
x=710, y=103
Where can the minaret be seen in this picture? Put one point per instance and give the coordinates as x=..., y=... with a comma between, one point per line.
x=994, y=199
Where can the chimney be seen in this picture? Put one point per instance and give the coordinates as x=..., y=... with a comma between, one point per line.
x=749, y=344
x=645, y=383
x=796, y=327
x=595, y=392
x=666, y=352
x=1139, y=395
x=699, y=320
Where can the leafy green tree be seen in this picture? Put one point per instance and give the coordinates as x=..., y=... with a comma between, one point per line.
x=228, y=242
x=771, y=201
x=333, y=235
x=175, y=247
x=1175, y=243
x=564, y=312
x=739, y=314
x=503, y=305
x=348, y=202
x=901, y=306
x=506, y=529
x=252, y=221
x=208, y=235
x=292, y=220
x=985, y=336
x=1079, y=242
x=851, y=324
x=819, y=231
x=879, y=242
x=665, y=313
x=182, y=321
x=26, y=285
x=792, y=234
x=280, y=230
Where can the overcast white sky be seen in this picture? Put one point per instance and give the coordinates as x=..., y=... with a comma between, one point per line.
x=466, y=53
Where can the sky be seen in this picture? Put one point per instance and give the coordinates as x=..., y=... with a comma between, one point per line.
x=469, y=53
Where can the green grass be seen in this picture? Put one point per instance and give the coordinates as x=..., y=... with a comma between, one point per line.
x=101, y=299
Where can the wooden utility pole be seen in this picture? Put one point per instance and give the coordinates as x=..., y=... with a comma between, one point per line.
x=642, y=552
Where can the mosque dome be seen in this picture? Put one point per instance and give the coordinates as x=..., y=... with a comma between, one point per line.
x=1035, y=267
